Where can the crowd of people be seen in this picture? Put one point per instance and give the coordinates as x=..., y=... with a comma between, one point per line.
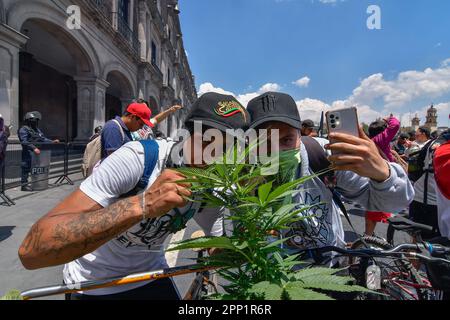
x=134, y=125
x=415, y=152
x=117, y=221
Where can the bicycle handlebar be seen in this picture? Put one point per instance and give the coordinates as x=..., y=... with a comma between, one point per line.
x=371, y=252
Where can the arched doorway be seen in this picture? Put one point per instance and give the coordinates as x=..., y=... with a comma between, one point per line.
x=118, y=95
x=48, y=64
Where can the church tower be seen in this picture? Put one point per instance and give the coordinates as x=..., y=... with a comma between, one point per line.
x=431, y=119
x=415, y=123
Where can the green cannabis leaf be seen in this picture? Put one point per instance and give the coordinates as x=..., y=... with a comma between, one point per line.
x=254, y=263
x=12, y=295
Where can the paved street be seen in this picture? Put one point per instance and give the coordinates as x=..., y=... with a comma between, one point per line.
x=16, y=221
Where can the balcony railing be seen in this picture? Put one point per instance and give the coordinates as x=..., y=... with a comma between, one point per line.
x=125, y=31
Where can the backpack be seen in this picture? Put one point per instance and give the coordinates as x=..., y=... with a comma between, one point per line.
x=417, y=162
x=151, y=156
x=93, y=153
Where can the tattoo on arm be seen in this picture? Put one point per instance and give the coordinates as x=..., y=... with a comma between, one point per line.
x=67, y=236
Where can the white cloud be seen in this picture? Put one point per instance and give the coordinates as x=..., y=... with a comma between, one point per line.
x=312, y=109
x=446, y=62
x=302, y=82
x=244, y=98
x=209, y=87
x=333, y=2
x=269, y=87
x=409, y=85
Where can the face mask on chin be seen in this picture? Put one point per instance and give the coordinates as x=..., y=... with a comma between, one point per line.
x=289, y=163
x=34, y=124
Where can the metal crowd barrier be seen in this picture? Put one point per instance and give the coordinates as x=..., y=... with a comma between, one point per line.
x=64, y=160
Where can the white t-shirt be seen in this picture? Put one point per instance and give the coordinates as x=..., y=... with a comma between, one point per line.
x=140, y=249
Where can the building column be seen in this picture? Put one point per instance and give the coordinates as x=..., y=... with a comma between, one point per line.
x=142, y=77
x=142, y=31
x=91, y=105
x=131, y=11
x=10, y=44
x=115, y=11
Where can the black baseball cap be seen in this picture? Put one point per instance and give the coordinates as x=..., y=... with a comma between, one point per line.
x=219, y=111
x=308, y=124
x=274, y=106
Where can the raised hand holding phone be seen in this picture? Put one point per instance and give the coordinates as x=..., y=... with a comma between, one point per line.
x=352, y=149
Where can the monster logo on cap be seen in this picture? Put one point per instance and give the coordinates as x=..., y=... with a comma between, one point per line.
x=228, y=109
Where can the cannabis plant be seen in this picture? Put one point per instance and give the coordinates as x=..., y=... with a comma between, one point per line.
x=250, y=257
x=12, y=295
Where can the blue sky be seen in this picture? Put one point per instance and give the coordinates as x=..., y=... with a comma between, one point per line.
x=246, y=47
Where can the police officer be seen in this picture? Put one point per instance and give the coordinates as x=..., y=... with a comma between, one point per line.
x=29, y=134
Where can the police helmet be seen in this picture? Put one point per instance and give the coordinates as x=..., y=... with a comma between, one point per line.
x=35, y=115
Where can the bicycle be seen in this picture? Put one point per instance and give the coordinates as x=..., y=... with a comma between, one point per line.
x=399, y=282
x=402, y=224
x=201, y=287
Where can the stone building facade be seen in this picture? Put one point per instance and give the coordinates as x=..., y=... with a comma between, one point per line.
x=79, y=77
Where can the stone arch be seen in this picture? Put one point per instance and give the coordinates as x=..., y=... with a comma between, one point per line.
x=52, y=19
x=125, y=75
x=154, y=104
x=119, y=93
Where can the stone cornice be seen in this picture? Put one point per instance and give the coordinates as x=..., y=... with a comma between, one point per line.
x=12, y=36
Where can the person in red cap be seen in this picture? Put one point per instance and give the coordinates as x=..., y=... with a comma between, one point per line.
x=117, y=132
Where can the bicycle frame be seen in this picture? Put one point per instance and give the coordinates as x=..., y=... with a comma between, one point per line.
x=402, y=250
x=113, y=282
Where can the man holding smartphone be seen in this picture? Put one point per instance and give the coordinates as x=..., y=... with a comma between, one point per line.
x=361, y=174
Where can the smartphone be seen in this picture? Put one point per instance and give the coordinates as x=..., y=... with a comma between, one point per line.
x=343, y=121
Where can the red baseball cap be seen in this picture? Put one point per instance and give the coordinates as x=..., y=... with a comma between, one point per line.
x=142, y=111
x=442, y=169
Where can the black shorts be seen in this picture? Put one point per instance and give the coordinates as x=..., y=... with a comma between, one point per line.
x=163, y=289
x=425, y=214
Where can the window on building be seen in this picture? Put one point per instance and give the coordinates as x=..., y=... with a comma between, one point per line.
x=124, y=10
x=168, y=77
x=158, y=5
x=154, y=54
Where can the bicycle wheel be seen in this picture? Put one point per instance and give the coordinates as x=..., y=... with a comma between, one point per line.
x=399, y=279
